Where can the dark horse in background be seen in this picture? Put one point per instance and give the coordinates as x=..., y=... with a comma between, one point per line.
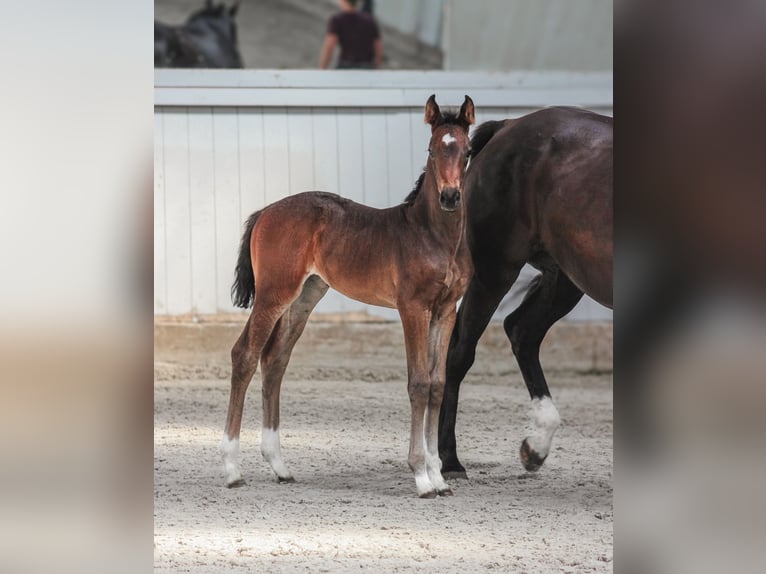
x=539, y=190
x=208, y=39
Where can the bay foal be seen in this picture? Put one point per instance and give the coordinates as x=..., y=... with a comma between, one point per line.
x=412, y=257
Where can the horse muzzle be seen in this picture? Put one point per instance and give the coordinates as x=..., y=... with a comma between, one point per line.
x=449, y=199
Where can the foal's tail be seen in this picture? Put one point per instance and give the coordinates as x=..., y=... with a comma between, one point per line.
x=484, y=133
x=243, y=289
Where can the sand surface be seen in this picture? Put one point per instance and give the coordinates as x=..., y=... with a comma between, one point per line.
x=345, y=432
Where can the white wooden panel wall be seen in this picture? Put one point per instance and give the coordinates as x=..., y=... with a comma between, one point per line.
x=216, y=164
x=528, y=34
x=422, y=18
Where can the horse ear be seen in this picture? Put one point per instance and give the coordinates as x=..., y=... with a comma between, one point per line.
x=234, y=8
x=466, y=112
x=433, y=113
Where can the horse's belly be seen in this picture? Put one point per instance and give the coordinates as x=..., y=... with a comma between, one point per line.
x=360, y=286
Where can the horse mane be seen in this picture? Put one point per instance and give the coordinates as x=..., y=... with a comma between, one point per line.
x=483, y=134
x=450, y=118
x=410, y=199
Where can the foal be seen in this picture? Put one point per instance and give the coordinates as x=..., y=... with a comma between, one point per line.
x=411, y=257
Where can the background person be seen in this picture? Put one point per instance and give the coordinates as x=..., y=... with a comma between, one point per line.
x=358, y=35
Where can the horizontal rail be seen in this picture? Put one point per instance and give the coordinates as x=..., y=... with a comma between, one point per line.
x=318, y=88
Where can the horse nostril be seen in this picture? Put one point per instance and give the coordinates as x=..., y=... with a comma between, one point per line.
x=449, y=198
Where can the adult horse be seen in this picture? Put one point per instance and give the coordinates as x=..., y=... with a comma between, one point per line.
x=539, y=190
x=208, y=39
x=411, y=257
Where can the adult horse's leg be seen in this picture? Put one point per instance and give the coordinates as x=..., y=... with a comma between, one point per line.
x=480, y=301
x=244, y=361
x=274, y=360
x=415, y=322
x=439, y=337
x=550, y=297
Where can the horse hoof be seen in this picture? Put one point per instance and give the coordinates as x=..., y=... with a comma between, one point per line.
x=529, y=458
x=429, y=494
x=451, y=467
x=455, y=474
x=445, y=492
x=285, y=479
x=236, y=484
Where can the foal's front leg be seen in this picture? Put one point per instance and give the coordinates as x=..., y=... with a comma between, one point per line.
x=415, y=322
x=439, y=338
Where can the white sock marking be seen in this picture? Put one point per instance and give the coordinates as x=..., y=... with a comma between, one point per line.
x=229, y=449
x=448, y=139
x=433, y=468
x=423, y=484
x=545, y=421
x=272, y=452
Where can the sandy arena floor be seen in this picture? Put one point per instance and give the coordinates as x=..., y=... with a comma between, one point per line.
x=345, y=426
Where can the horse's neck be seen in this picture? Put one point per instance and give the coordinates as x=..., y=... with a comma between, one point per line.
x=449, y=225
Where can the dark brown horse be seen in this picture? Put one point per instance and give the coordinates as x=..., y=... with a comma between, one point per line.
x=539, y=191
x=208, y=39
x=411, y=257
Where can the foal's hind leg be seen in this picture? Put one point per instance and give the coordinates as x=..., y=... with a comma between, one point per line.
x=244, y=361
x=551, y=296
x=274, y=361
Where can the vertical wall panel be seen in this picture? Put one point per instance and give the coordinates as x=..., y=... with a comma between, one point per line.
x=325, y=145
x=350, y=157
x=375, y=158
x=252, y=192
x=277, y=162
x=177, y=211
x=160, y=258
x=300, y=149
x=227, y=208
x=399, y=156
x=202, y=204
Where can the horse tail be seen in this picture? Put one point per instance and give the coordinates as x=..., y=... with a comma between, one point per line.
x=483, y=134
x=243, y=289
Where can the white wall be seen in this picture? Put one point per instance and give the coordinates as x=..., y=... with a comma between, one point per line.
x=528, y=35
x=230, y=142
x=419, y=18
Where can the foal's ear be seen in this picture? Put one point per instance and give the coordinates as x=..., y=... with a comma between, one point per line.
x=466, y=112
x=433, y=114
x=234, y=8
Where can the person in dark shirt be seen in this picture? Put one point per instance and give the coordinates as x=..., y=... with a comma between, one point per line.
x=358, y=35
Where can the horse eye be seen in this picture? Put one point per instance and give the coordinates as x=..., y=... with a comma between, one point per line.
x=430, y=153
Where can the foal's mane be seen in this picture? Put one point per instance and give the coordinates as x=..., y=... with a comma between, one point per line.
x=410, y=199
x=448, y=118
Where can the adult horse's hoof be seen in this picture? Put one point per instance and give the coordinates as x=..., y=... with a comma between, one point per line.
x=529, y=458
x=451, y=467
x=454, y=474
x=285, y=479
x=236, y=484
x=429, y=494
x=445, y=492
